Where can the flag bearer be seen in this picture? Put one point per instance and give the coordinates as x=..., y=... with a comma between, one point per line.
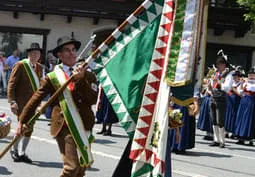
x=72, y=118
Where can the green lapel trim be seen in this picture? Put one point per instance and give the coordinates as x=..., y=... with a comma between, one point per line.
x=30, y=74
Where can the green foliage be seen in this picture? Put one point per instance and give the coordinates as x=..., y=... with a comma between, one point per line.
x=250, y=5
x=10, y=42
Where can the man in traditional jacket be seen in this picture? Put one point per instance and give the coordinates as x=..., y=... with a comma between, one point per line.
x=72, y=118
x=24, y=81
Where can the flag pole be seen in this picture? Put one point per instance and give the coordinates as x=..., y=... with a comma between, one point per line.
x=200, y=22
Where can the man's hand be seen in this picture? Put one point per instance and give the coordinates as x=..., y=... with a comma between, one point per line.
x=14, y=108
x=22, y=128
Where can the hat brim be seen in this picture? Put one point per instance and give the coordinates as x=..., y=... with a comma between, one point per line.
x=77, y=45
x=29, y=50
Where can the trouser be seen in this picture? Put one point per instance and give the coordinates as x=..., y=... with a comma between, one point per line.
x=168, y=171
x=21, y=144
x=124, y=166
x=217, y=111
x=67, y=147
x=3, y=80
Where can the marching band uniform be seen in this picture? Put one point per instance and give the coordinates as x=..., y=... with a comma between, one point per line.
x=221, y=84
x=245, y=121
x=83, y=94
x=24, y=81
x=233, y=100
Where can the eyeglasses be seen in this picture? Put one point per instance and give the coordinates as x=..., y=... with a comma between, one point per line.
x=68, y=50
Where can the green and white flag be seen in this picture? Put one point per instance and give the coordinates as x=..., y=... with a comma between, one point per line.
x=149, y=143
x=130, y=66
x=123, y=61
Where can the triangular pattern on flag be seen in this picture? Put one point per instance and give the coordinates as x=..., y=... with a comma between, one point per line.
x=152, y=96
x=154, y=80
x=144, y=130
x=146, y=119
x=167, y=27
x=159, y=62
x=135, y=95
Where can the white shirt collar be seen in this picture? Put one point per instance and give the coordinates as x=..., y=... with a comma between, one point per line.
x=67, y=69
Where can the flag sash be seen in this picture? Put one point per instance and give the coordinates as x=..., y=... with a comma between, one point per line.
x=182, y=54
x=34, y=80
x=72, y=117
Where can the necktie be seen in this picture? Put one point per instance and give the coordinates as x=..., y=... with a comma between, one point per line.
x=71, y=71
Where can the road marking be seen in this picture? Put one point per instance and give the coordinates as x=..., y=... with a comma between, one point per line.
x=187, y=174
x=198, y=149
x=99, y=153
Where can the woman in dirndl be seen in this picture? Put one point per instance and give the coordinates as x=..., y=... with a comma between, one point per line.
x=233, y=101
x=187, y=132
x=245, y=120
x=204, y=122
x=105, y=113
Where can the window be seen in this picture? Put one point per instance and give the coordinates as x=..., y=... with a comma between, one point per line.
x=21, y=38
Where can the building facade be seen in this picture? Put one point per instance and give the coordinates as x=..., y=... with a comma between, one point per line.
x=44, y=21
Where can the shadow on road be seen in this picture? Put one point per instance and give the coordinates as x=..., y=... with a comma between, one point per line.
x=119, y=136
x=4, y=141
x=104, y=141
x=203, y=142
x=209, y=154
x=92, y=169
x=218, y=168
x=4, y=171
x=48, y=164
x=242, y=149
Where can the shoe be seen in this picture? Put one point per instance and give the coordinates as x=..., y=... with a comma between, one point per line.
x=107, y=133
x=222, y=145
x=25, y=158
x=101, y=132
x=251, y=143
x=209, y=138
x=15, y=155
x=214, y=144
x=241, y=142
x=232, y=137
x=174, y=150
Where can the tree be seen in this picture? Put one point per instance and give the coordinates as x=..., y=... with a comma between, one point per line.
x=10, y=42
x=250, y=5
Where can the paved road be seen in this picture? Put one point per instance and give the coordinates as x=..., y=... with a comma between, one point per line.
x=202, y=161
